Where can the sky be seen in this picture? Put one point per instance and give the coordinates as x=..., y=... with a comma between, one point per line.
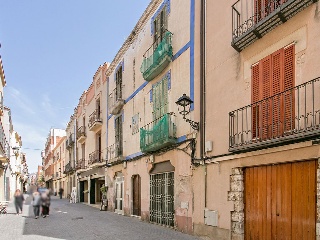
x=50, y=50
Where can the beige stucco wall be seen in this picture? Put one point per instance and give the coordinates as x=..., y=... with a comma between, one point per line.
x=228, y=81
x=179, y=25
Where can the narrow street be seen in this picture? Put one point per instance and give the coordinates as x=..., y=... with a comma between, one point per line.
x=79, y=221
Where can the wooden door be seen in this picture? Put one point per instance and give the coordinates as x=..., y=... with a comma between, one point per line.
x=119, y=195
x=92, y=191
x=280, y=201
x=136, y=182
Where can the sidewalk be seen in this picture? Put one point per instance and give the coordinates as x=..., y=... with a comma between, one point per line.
x=12, y=225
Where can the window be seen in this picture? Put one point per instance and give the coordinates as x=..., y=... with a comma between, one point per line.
x=160, y=26
x=119, y=84
x=273, y=110
x=264, y=7
x=118, y=135
x=160, y=98
x=98, y=109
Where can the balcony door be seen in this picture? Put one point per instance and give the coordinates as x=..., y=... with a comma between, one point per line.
x=262, y=8
x=273, y=102
x=160, y=26
x=160, y=98
x=118, y=136
x=119, y=84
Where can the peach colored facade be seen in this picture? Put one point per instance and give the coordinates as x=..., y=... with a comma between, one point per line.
x=130, y=134
x=228, y=87
x=59, y=153
x=90, y=118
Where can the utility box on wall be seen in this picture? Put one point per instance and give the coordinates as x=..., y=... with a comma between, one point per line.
x=211, y=217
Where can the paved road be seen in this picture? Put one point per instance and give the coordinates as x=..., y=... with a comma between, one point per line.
x=79, y=221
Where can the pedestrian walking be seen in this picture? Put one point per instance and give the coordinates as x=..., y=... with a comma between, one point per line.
x=18, y=201
x=36, y=202
x=60, y=192
x=45, y=202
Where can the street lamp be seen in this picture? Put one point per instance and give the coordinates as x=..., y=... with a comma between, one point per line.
x=185, y=102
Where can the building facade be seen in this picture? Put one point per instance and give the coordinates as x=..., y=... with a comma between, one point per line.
x=70, y=179
x=258, y=106
x=149, y=172
x=50, y=168
x=91, y=117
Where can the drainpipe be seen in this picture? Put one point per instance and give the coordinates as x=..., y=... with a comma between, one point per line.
x=203, y=89
x=107, y=130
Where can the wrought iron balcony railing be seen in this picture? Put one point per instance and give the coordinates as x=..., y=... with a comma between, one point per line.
x=158, y=134
x=157, y=57
x=70, y=141
x=115, y=100
x=252, y=19
x=114, y=152
x=81, y=164
x=81, y=134
x=4, y=146
x=68, y=168
x=289, y=116
x=95, y=120
x=95, y=157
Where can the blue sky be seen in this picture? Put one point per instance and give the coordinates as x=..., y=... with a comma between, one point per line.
x=50, y=52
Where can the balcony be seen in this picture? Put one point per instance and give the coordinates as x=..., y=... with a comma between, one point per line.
x=251, y=21
x=95, y=159
x=95, y=121
x=287, y=117
x=81, y=164
x=157, y=57
x=70, y=141
x=115, y=153
x=158, y=134
x=4, y=146
x=81, y=134
x=68, y=168
x=115, y=100
x=1, y=104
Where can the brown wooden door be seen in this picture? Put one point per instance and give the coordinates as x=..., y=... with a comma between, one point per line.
x=136, y=195
x=280, y=201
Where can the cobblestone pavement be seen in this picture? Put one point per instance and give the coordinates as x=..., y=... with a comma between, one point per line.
x=79, y=221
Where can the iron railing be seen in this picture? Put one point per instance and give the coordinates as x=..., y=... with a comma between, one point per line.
x=115, y=95
x=3, y=142
x=81, y=132
x=95, y=157
x=288, y=116
x=158, y=134
x=70, y=141
x=68, y=168
x=157, y=57
x=94, y=118
x=252, y=19
x=81, y=164
x=114, y=151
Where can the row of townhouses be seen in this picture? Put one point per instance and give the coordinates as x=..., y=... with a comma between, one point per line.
x=13, y=164
x=207, y=120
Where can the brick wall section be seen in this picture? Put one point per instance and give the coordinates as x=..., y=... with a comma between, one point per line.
x=236, y=195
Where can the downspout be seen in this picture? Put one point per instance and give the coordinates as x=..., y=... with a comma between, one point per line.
x=203, y=90
x=76, y=180
x=107, y=129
